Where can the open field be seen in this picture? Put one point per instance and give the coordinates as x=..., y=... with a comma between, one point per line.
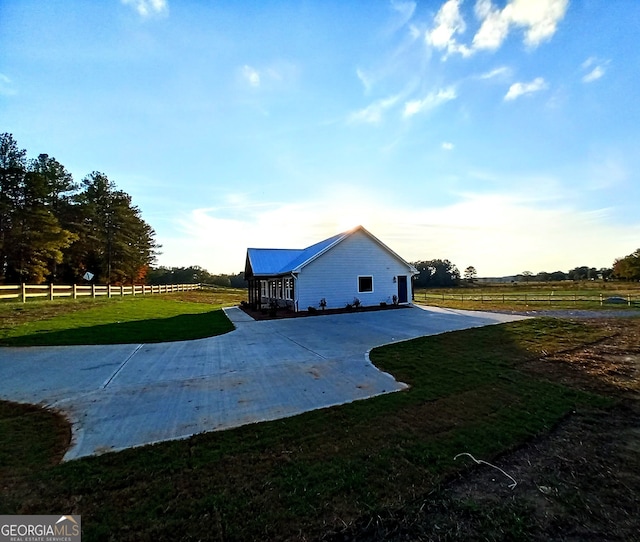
x=381, y=469
x=140, y=319
x=585, y=295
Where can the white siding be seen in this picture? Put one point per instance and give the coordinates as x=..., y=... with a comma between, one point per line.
x=334, y=275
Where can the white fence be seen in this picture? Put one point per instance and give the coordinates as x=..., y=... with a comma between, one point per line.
x=53, y=291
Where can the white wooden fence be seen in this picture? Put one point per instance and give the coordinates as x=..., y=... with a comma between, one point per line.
x=534, y=298
x=53, y=291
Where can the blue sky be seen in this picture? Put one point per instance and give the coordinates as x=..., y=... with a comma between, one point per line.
x=498, y=134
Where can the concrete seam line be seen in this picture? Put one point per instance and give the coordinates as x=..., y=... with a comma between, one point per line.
x=301, y=345
x=110, y=379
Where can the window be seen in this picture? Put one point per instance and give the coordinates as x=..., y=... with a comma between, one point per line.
x=365, y=284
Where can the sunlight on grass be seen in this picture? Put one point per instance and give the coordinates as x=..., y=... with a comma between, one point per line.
x=293, y=478
x=140, y=319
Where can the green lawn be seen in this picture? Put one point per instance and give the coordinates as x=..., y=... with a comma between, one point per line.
x=585, y=295
x=302, y=477
x=140, y=319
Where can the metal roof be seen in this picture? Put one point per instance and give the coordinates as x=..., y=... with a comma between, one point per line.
x=283, y=261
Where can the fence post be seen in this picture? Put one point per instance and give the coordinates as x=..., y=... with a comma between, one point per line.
x=51, y=292
x=75, y=291
x=600, y=299
x=24, y=292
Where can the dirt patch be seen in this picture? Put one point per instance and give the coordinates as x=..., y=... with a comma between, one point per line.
x=579, y=482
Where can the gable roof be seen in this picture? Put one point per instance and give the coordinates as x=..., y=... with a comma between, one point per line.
x=277, y=261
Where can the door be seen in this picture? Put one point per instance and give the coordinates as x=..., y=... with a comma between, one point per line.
x=402, y=289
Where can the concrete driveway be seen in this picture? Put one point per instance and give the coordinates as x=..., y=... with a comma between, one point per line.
x=121, y=396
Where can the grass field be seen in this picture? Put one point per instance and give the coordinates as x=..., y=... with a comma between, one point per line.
x=141, y=319
x=319, y=474
x=532, y=296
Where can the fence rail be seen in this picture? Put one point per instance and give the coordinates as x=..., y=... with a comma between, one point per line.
x=52, y=291
x=534, y=298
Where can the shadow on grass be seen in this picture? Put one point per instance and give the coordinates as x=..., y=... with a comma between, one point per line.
x=176, y=328
x=312, y=475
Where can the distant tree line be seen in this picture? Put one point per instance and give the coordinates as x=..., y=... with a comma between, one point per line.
x=444, y=274
x=577, y=273
x=193, y=275
x=54, y=229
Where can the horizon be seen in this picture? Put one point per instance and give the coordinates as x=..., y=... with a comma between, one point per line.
x=495, y=134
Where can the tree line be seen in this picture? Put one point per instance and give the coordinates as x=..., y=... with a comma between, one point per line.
x=444, y=274
x=54, y=229
x=193, y=275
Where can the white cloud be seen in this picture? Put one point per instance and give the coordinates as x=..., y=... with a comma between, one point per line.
x=494, y=28
x=594, y=74
x=596, y=69
x=147, y=8
x=429, y=102
x=251, y=75
x=519, y=89
x=6, y=86
x=448, y=23
x=447, y=146
x=373, y=113
x=538, y=18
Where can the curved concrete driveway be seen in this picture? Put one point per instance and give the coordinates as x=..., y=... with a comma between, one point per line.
x=120, y=396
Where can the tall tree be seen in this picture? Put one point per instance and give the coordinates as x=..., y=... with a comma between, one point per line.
x=116, y=245
x=470, y=274
x=627, y=268
x=32, y=238
x=13, y=164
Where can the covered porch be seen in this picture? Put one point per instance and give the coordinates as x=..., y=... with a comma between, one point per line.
x=272, y=292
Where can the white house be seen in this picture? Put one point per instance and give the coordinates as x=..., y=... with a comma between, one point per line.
x=348, y=266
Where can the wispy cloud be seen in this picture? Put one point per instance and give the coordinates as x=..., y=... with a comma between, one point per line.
x=595, y=67
x=519, y=89
x=251, y=75
x=497, y=72
x=147, y=8
x=429, y=102
x=364, y=78
x=447, y=146
x=373, y=113
x=7, y=87
x=404, y=10
x=538, y=18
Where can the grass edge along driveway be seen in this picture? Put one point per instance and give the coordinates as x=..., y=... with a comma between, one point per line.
x=149, y=319
x=306, y=476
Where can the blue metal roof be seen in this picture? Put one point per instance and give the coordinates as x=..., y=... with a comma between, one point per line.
x=283, y=261
x=280, y=261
